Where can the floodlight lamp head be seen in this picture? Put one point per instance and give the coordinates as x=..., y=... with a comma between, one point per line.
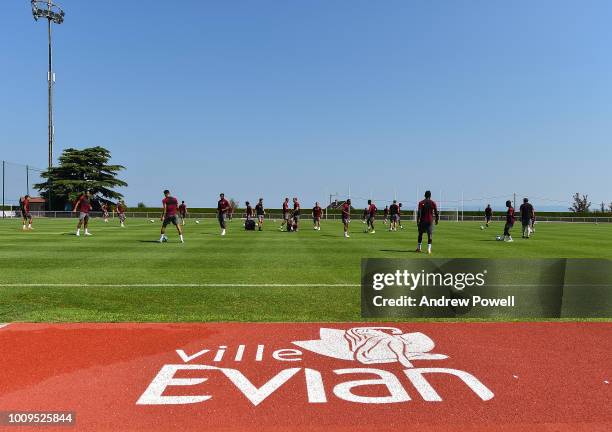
x=48, y=10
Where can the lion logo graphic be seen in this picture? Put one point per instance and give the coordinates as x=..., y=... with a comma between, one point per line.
x=373, y=345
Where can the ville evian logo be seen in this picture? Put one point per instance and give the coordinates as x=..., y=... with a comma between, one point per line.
x=363, y=346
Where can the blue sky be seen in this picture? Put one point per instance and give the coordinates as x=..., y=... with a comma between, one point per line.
x=274, y=99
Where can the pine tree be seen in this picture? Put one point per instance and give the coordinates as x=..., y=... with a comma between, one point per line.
x=78, y=171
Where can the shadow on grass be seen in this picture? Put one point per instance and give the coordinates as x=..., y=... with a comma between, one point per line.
x=398, y=250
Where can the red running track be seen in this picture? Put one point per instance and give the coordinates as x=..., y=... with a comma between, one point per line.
x=350, y=377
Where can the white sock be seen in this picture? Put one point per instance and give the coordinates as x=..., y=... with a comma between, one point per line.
x=419, y=246
x=161, y=237
x=29, y=225
x=429, y=248
x=86, y=231
x=24, y=227
x=181, y=237
x=78, y=231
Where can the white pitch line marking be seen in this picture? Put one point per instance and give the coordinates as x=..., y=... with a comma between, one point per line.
x=154, y=285
x=3, y=325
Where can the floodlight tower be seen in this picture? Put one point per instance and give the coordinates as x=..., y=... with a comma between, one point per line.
x=53, y=14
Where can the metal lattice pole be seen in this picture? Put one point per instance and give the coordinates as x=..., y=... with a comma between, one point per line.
x=50, y=11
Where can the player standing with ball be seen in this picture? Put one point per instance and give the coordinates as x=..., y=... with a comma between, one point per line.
x=169, y=216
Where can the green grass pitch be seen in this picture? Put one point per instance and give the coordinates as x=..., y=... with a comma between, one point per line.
x=54, y=258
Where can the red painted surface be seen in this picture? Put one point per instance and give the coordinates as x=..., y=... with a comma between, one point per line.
x=544, y=377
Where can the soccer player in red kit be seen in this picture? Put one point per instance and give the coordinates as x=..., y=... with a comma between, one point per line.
x=261, y=213
x=182, y=209
x=527, y=216
x=26, y=216
x=121, y=208
x=399, y=216
x=427, y=215
x=286, y=215
x=509, y=221
x=169, y=216
x=249, y=211
x=394, y=213
x=223, y=207
x=83, y=205
x=346, y=217
x=317, y=211
x=371, y=216
x=488, y=215
x=296, y=214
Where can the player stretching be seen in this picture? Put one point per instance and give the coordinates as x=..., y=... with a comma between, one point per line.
x=371, y=217
x=26, y=216
x=527, y=216
x=261, y=214
x=385, y=215
x=346, y=217
x=317, y=211
x=104, y=208
x=223, y=207
x=169, y=216
x=286, y=215
x=427, y=214
x=394, y=213
x=182, y=209
x=488, y=215
x=509, y=221
x=121, y=208
x=83, y=205
x=296, y=214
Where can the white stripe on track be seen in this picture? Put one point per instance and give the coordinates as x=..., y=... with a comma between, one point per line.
x=174, y=285
x=3, y=325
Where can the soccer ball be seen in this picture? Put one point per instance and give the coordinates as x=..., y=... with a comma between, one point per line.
x=197, y=221
x=498, y=238
x=481, y=227
x=152, y=220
